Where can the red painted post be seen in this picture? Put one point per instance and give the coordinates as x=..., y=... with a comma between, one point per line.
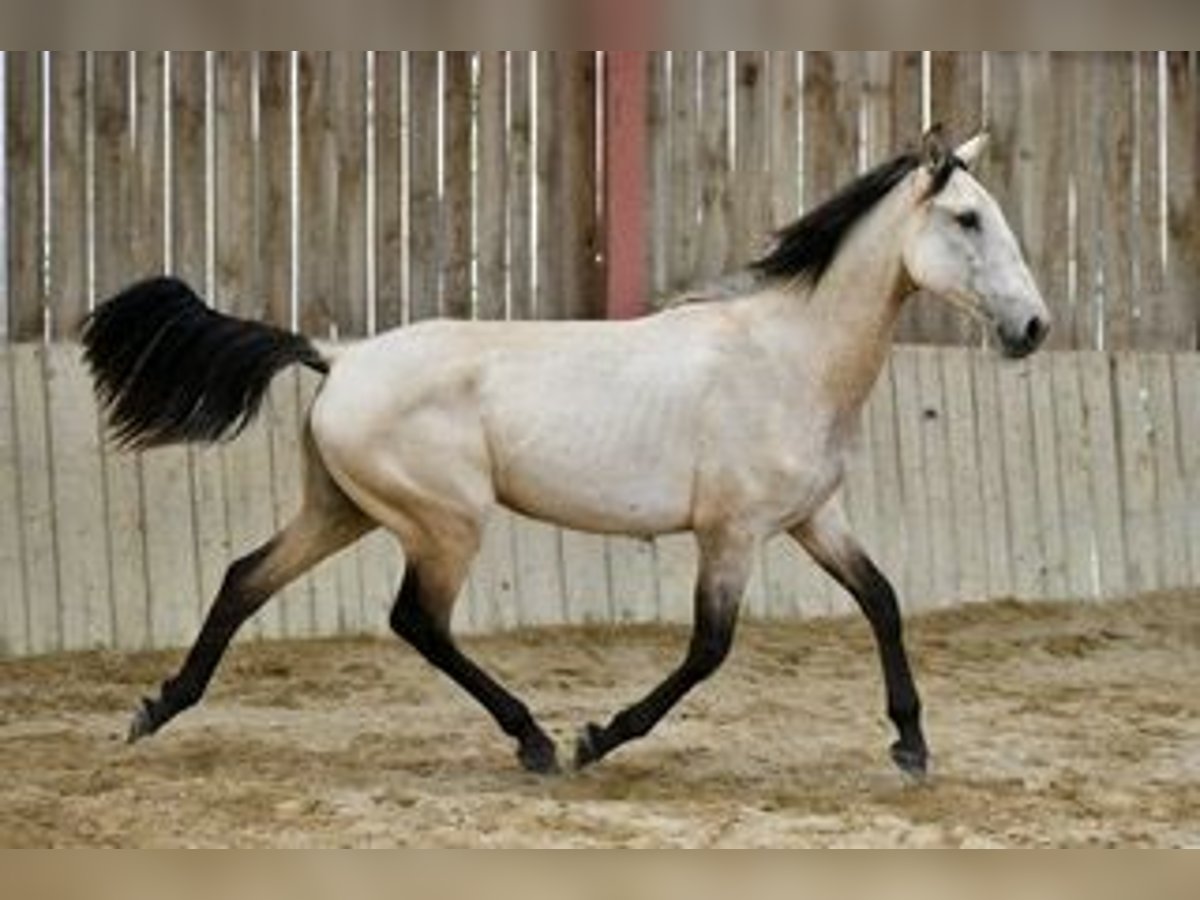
x=625, y=183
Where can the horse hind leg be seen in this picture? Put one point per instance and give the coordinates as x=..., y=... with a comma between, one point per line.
x=421, y=617
x=326, y=523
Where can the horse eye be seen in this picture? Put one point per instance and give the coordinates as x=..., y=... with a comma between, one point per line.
x=969, y=220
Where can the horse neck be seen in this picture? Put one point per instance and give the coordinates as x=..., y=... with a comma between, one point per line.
x=850, y=317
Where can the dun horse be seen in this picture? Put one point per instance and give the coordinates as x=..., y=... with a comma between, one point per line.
x=729, y=417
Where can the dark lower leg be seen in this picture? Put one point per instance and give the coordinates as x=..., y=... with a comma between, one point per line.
x=235, y=603
x=411, y=621
x=711, y=640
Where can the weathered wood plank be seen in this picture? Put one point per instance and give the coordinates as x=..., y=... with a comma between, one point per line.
x=1186, y=371
x=632, y=579
x=685, y=190
x=189, y=164
x=495, y=581
x=521, y=299
x=318, y=196
x=1051, y=514
x=585, y=578
x=114, y=166
x=424, y=207
x=37, y=498
x=1170, y=498
x=1084, y=322
x=492, y=193
x=716, y=202
x=1114, y=82
x=237, y=289
x=752, y=213
x=658, y=125
x=348, y=132
x=1155, y=322
x=538, y=560
x=390, y=248
x=1074, y=473
x=14, y=614
x=23, y=203
x=675, y=558
x=918, y=557
x=1136, y=471
x=966, y=501
x=77, y=480
x=274, y=187
x=171, y=569
x=581, y=280
x=67, y=286
x=457, y=194
x=1096, y=379
x=991, y=467
x=1020, y=481
x=1183, y=192
x=944, y=552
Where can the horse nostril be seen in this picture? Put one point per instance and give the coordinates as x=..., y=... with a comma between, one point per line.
x=1036, y=331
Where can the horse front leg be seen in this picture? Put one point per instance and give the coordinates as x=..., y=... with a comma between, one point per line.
x=827, y=538
x=724, y=570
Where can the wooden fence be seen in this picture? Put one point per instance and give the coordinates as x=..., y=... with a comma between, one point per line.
x=348, y=191
x=1073, y=475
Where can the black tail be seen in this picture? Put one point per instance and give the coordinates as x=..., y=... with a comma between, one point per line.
x=170, y=370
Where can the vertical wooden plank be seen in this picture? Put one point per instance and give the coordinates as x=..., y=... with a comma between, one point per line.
x=1053, y=137
x=237, y=289
x=148, y=187
x=424, y=216
x=77, y=481
x=456, y=200
x=1170, y=499
x=1099, y=402
x=318, y=196
x=548, y=248
x=521, y=301
x=990, y=433
x=918, y=557
x=956, y=98
x=14, y=612
x=625, y=179
x=658, y=128
x=23, y=203
x=1186, y=372
x=944, y=553
x=1020, y=482
x=495, y=581
x=390, y=250
x=189, y=194
x=1074, y=472
x=538, y=560
x=1136, y=471
x=716, y=201
x=848, y=91
x=348, y=156
x=581, y=279
x=67, y=287
x=752, y=211
x=784, y=147
x=878, y=117
x=907, y=96
x=820, y=127
x=675, y=557
x=1051, y=514
x=1114, y=77
x=585, y=578
x=632, y=578
x=1155, y=326
x=1088, y=143
x=114, y=167
x=273, y=180
x=492, y=188
x=685, y=188
x=1183, y=193
x=966, y=498
x=34, y=475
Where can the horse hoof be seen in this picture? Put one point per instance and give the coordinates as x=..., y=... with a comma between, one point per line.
x=539, y=757
x=143, y=724
x=913, y=763
x=587, y=746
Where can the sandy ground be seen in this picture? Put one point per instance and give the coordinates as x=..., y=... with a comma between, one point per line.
x=1050, y=725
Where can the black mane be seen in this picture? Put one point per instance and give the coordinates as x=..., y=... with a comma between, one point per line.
x=805, y=249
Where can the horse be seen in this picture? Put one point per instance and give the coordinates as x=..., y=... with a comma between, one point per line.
x=729, y=416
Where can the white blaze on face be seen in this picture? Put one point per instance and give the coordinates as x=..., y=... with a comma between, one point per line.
x=961, y=248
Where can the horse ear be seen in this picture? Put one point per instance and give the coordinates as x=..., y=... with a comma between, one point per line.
x=934, y=148
x=972, y=151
